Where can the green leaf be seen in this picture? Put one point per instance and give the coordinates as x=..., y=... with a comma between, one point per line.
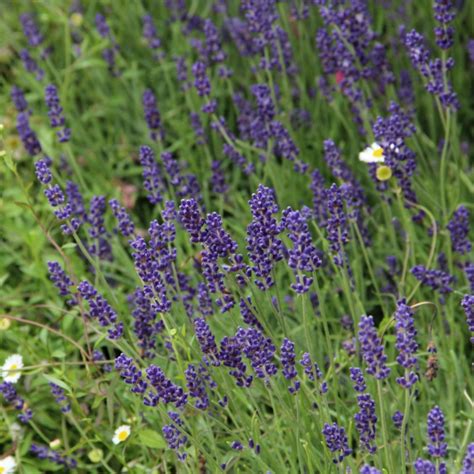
x=55, y=380
x=152, y=439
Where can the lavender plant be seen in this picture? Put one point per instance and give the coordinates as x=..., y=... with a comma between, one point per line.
x=236, y=237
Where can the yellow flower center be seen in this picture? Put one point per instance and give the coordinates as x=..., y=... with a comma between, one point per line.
x=76, y=19
x=378, y=153
x=2, y=470
x=13, y=367
x=4, y=325
x=383, y=173
x=123, y=435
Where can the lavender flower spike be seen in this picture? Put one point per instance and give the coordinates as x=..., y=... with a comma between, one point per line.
x=372, y=349
x=468, y=462
x=406, y=343
x=467, y=304
x=437, y=446
x=336, y=441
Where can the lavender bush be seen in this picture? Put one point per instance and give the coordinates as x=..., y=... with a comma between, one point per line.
x=236, y=236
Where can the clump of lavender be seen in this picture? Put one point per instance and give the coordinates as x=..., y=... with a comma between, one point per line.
x=263, y=245
x=218, y=183
x=366, y=469
x=55, y=113
x=336, y=441
x=422, y=466
x=406, y=343
x=371, y=348
x=43, y=452
x=467, y=304
x=100, y=309
x=437, y=446
x=458, y=228
x=287, y=357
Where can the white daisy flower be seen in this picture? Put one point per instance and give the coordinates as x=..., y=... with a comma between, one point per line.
x=121, y=434
x=7, y=465
x=10, y=372
x=372, y=154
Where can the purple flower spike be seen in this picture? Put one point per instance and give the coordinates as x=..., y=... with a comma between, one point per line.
x=336, y=441
x=125, y=223
x=31, y=30
x=153, y=182
x=263, y=245
x=437, y=447
x=468, y=462
x=371, y=348
x=406, y=342
x=152, y=115
x=27, y=135
x=303, y=257
x=55, y=113
x=459, y=230
x=287, y=357
x=467, y=304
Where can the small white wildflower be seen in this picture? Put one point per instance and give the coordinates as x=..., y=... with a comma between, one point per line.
x=7, y=465
x=372, y=154
x=10, y=369
x=121, y=434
